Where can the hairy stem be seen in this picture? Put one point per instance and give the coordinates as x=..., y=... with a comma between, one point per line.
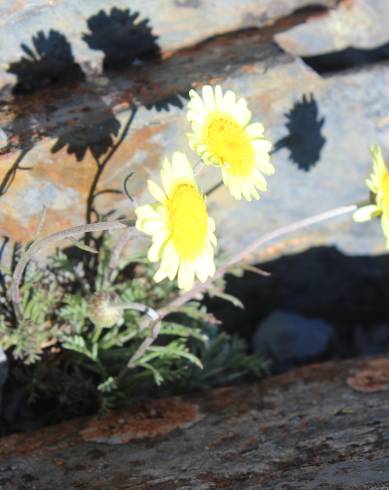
x=36, y=247
x=155, y=327
x=147, y=310
x=155, y=321
x=201, y=288
x=101, y=166
x=115, y=256
x=252, y=247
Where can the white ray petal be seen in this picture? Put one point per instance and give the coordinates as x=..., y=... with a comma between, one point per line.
x=160, y=275
x=229, y=101
x=365, y=213
x=208, y=98
x=156, y=191
x=255, y=130
x=218, y=97
x=181, y=166
x=186, y=275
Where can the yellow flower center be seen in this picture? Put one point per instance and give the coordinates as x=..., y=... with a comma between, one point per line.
x=226, y=140
x=385, y=193
x=187, y=220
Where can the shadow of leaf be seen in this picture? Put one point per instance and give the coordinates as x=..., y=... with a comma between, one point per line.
x=166, y=103
x=304, y=140
x=95, y=130
x=17, y=128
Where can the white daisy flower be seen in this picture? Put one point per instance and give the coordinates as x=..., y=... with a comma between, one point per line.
x=223, y=136
x=183, y=235
x=378, y=184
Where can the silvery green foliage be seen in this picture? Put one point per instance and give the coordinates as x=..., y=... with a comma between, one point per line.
x=68, y=359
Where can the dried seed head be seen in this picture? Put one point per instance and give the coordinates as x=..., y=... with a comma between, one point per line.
x=103, y=309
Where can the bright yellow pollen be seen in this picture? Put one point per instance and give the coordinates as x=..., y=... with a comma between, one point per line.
x=385, y=194
x=226, y=139
x=187, y=220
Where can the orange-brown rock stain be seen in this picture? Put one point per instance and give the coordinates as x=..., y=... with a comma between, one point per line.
x=65, y=172
x=157, y=418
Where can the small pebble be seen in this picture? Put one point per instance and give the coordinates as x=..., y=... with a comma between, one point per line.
x=288, y=340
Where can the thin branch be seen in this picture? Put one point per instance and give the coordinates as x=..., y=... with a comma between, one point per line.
x=38, y=246
x=147, y=310
x=155, y=328
x=116, y=253
x=257, y=270
x=122, y=137
x=125, y=188
x=11, y=172
x=122, y=242
x=101, y=166
x=252, y=247
x=201, y=288
x=42, y=219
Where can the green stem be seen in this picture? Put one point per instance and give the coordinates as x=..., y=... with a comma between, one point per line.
x=97, y=334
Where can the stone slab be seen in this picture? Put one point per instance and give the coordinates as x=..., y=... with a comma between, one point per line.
x=175, y=23
x=314, y=427
x=356, y=24
x=321, y=130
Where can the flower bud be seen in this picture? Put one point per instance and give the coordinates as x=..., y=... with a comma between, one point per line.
x=104, y=310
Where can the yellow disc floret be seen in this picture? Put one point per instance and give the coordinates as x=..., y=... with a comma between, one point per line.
x=378, y=184
x=188, y=235
x=223, y=136
x=183, y=237
x=385, y=193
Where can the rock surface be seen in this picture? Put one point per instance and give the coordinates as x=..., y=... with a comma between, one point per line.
x=179, y=23
x=287, y=340
x=71, y=146
x=302, y=430
x=353, y=24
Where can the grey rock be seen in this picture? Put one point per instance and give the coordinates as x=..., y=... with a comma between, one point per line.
x=321, y=129
x=287, y=339
x=174, y=23
x=305, y=430
x=357, y=24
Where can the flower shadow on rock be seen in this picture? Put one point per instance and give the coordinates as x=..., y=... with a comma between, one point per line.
x=95, y=130
x=123, y=38
x=166, y=103
x=49, y=61
x=127, y=41
x=305, y=140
